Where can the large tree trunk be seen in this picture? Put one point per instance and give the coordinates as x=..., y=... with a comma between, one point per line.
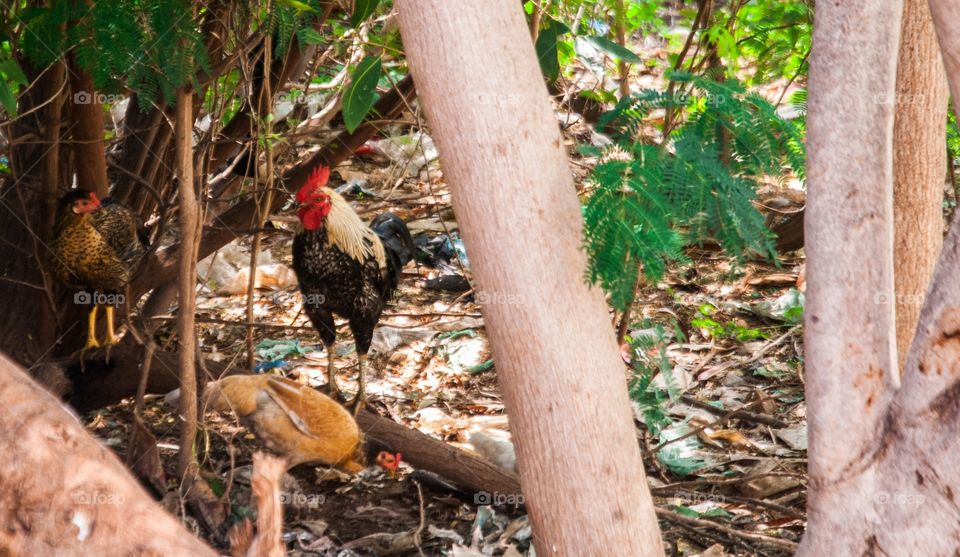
x=86, y=129
x=849, y=337
x=919, y=160
x=26, y=209
x=63, y=493
x=881, y=475
x=557, y=361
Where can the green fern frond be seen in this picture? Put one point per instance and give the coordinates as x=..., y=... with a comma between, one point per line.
x=699, y=187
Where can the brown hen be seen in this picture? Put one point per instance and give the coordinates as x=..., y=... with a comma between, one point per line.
x=291, y=419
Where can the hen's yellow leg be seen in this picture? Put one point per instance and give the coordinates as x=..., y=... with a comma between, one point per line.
x=91, y=333
x=111, y=336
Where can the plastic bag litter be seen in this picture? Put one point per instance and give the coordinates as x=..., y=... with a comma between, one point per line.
x=276, y=276
x=227, y=271
x=415, y=149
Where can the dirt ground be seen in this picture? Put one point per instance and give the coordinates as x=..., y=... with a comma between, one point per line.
x=726, y=483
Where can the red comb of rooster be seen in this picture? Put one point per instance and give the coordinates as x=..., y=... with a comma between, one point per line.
x=317, y=179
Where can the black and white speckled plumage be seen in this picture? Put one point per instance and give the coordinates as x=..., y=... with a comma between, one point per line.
x=333, y=282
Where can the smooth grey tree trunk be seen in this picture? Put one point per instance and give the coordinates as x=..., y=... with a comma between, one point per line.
x=883, y=473
x=554, y=347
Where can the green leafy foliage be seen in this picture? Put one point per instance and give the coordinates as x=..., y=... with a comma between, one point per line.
x=651, y=200
x=547, y=48
x=359, y=96
x=308, y=35
x=613, y=49
x=151, y=48
x=12, y=79
x=680, y=455
x=362, y=9
x=705, y=321
x=648, y=350
x=296, y=5
x=953, y=135
x=775, y=35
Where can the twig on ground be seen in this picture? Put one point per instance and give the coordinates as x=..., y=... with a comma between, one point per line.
x=700, y=523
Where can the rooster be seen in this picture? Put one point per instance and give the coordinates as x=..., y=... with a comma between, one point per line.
x=97, y=245
x=346, y=268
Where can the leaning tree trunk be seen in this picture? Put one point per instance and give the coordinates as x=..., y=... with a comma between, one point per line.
x=919, y=160
x=63, y=493
x=557, y=361
x=882, y=479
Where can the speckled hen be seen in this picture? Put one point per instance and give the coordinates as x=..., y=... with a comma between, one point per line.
x=96, y=245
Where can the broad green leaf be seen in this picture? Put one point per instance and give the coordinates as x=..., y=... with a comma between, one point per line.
x=7, y=99
x=296, y=4
x=12, y=71
x=359, y=96
x=362, y=9
x=547, y=48
x=614, y=50
x=309, y=35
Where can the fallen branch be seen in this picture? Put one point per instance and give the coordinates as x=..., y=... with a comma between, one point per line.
x=700, y=524
x=470, y=472
x=736, y=414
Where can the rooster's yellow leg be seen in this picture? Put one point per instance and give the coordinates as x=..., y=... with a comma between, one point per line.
x=332, y=389
x=359, y=400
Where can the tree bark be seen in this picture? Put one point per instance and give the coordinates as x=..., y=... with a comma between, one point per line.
x=26, y=209
x=63, y=493
x=919, y=157
x=89, y=148
x=186, y=333
x=881, y=484
x=557, y=359
x=46, y=332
